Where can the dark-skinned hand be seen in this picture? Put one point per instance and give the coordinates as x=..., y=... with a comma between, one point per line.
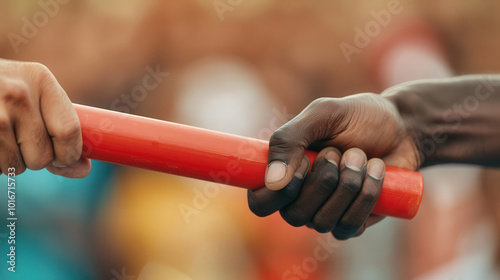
x=355, y=136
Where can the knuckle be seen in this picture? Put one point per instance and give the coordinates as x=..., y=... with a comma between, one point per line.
x=324, y=188
x=319, y=102
x=295, y=217
x=328, y=181
x=36, y=66
x=330, y=177
x=41, y=74
x=345, y=231
x=286, y=136
x=71, y=157
x=68, y=130
x=369, y=195
x=323, y=103
x=17, y=93
x=38, y=69
x=351, y=185
x=279, y=137
x=289, y=193
x=323, y=223
x=41, y=162
x=284, y=141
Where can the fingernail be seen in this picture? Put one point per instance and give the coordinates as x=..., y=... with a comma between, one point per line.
x=355, y=160
x=333, y=157
x=376, y=169
x=276, y=171
x=58, y=165
x=303, y=168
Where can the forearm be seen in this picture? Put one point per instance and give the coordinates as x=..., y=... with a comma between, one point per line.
x=454, y=120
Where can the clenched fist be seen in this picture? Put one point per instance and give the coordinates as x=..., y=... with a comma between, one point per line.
x=355, y=136
x=39, y=127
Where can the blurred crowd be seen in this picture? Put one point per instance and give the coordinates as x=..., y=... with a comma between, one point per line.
x=244, y=67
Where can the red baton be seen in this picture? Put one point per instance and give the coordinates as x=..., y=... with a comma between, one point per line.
x=211, y=156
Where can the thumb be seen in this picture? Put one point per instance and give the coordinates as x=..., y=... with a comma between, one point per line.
x=288, y=144
x=286, y=152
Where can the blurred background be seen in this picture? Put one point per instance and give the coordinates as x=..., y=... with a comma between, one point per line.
x=243, y=67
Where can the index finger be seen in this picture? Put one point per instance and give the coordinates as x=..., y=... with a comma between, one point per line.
x=60, y=118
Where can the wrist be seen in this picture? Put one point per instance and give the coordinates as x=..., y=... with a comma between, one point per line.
x=411, y=116
x=451, y=120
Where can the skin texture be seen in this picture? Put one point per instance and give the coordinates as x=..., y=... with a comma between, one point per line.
x=39, y=127
x=88, y=72
x=334, y=197
x=409, y=126
x=452, y=120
